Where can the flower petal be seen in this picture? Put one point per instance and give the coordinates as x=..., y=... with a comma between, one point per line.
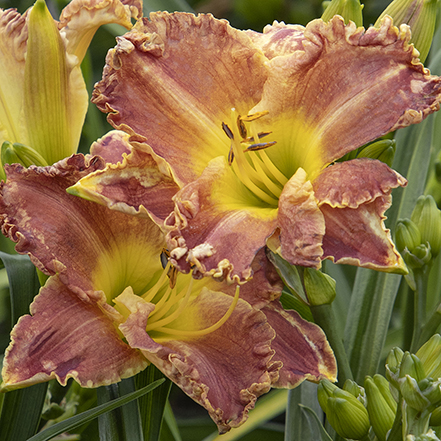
x=173, y=79
x=80, y=19
x=13, y=42
x=122, y=186
x=301, y=223
x=224, y=371
x=278, y=39
x=112, y=146
x=217, y=225
x=353, y=197
x=93, y=247
x=301, y=346
x=334, y=88
x=67, y=336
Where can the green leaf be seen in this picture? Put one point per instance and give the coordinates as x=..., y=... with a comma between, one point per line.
x=267, y=407
x=23, y=285
x=315, y=427
x=130, y=415
x=152, y=406
x=89, y=415
x=300, y=425
x=171, y=425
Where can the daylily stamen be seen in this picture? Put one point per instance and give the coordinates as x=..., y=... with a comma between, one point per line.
x=253, y=171
x=277, y=174
x=200, y=332
x=166, y=320
x=151, y=293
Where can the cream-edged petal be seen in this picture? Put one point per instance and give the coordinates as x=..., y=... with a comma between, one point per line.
x=174, y=79
x=138, y=184
x=353, y=197
x=67, y=336
x=335, y=86
x=301, y=346
x=224, y=371
x=301, y=223
x=93, y=247
x=80, y=19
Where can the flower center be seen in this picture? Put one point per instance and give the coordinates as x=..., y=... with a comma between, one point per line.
x=249, y=161
x=172, y=297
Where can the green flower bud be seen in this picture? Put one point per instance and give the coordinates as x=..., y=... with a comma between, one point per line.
x=348, y=9
x=378, y=406
x=431, y=390
x=435, y=418
x=420, y=15
x=325, y=390
x=345, y=413
x=383, y=387
x=320, y=288
x=407, y=235
x=411, y=365
x=427, y=217
x=412, y=394
x=430, y=356
x=20, y=154
x=393, y=362
x=420, y=256
x=383, y=150
x=46, y=93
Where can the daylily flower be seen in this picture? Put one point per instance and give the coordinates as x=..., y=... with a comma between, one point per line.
x=250, y=125
x=109, y=307
x=43, y=95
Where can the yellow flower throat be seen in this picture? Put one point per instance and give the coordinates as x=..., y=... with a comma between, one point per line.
x=173, y=302
x=251, y=164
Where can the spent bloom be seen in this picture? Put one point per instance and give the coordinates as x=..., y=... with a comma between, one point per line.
x=250, y=126
x=109, y=307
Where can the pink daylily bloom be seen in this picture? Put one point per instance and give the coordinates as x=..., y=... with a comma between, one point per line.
x=251, y=124
x=108, y=308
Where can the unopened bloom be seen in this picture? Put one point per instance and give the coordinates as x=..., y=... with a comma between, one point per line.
x=109, y=307
x=44, y=98
x=250, y=125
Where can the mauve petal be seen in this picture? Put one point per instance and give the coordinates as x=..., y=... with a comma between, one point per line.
x=93, y=247
x=112, y=146
x=353, y=197
x=173, y=79
x=214, y=228
x=139, y=184
x=68, y=336
x=335, y=87
x=224, y=371
x=301, y=223
x=355, y=182
x=301, y=346
x=278, y=39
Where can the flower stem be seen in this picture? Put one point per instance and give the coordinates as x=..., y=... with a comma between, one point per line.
x=421, y=280
x=325, y=318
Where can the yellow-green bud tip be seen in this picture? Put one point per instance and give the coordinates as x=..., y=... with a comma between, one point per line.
x=420, y=15
x=350, y=10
